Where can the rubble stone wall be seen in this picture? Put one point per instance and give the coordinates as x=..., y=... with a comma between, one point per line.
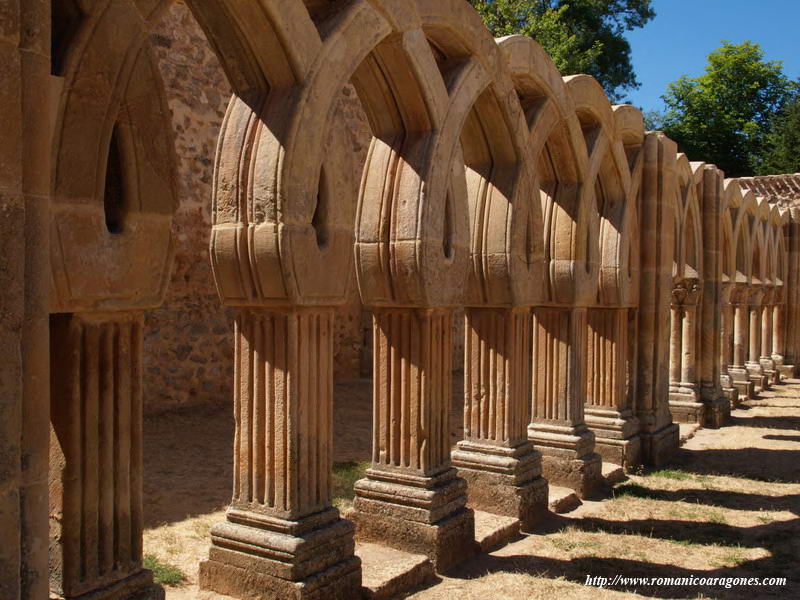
x=188, y=356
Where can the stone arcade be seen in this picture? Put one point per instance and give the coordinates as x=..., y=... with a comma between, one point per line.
x=609, y=285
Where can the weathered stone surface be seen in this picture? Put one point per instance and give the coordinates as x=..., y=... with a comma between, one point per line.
x=379, y=158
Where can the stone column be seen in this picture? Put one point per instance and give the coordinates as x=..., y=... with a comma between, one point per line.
x=500, y=465
x=778, y=339
x=765, y=359
x=726, y=345
x=791, y=317
x=675, y=342
x=412, y=497
x=26, y=102
x=753, y=364
x=716, y=405
x=609, y=368
x=689, y=345
x=281, y=537
x=659, y=435
x=684, y=397
x=738, y=370
x=557, y=427
x=96, y=457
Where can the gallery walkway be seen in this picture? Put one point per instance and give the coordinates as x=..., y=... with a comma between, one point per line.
x=729, y=506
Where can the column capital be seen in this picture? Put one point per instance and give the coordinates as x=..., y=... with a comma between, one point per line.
x=686, y=292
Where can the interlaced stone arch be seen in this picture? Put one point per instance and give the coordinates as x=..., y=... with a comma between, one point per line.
x=688, y=274
x=491, y=183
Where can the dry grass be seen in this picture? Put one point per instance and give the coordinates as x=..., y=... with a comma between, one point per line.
x=727, y=507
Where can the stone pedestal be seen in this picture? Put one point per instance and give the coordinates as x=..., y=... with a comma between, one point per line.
x=96, y=458
x=716, y=405
x=281, y=537
x=740, y=377
x=557, y=427
x=660, y=446
x=684, y=394
x=608, y=409
x=753, y=364
x=778, y=340
x=412, y=498
x=500, y=465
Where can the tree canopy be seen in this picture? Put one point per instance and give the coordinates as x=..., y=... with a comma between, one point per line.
x=782, y=153
x=726, y=116
x=582, y=36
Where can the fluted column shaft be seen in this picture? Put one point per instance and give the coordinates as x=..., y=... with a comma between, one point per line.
x=766, y=332
x=675, y=342
x=689, y=344
x=412, y=497
x=497, y=376
x=558, y=427
x=609, y=370
x=740, y=335
x=283, y=406
x=726, y=337
x=495, y=457
x=281, y=514
x=778, y=344
x=755, y=333
x=96, y=455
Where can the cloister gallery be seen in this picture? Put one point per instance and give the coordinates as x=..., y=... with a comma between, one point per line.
x=610, y=287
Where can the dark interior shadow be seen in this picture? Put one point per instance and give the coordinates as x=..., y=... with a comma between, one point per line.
x=783, y=438
x=779, y=538
x=780, y=466
x=188, y=451
x=718, y=498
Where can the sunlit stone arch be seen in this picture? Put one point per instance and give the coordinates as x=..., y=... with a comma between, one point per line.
x=689, y=237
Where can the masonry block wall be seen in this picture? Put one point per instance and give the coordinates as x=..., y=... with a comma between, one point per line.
x=490, y=183
x=188, y=340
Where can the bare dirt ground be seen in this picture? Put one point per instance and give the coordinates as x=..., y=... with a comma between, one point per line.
x=727, y=507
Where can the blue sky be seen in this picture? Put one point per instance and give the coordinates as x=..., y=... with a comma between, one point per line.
x=683, y=33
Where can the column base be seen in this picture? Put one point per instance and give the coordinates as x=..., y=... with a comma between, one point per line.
x=424, y=515
x=717, y=412
x=773, y=376
x=786, y=371
x=686, y=409
x=759, y=383
x=732, y=394
x=340, y=582
x=660, y=446
x=625, y=453
x=255, y=556
x=746, y=389
x=583, y=474
x=616, y=436
x=138, y=586
x=504, y=481
x=568, y=457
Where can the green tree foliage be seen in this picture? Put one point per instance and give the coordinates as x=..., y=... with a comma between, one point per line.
x=725, y=115
x=582, y=36
x=783, y=141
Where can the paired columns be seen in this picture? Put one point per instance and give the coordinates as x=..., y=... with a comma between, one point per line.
x=610, y=366
x=501, y=466
x=96, y=457
x=282, y=537
x=412, y=497
x=684, y=395
x=753, y=363
x=767, y=317
x=741, y=333
x=726, y=345
x=779, y=322
x=558, y=428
